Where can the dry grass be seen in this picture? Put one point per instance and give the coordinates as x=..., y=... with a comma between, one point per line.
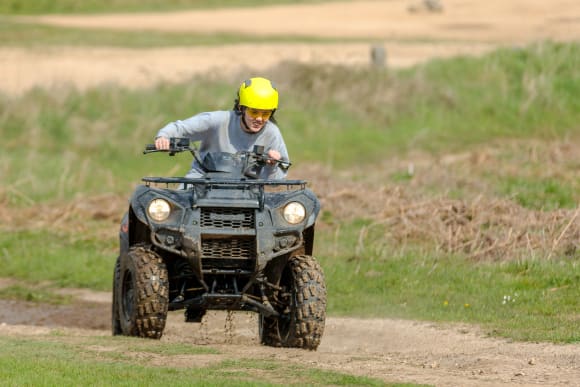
x=99, y=214
x=481, y=223
x=482, y=228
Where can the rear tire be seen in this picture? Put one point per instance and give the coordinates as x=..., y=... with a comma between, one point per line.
x=116, y=322
x=301, y=323
x=142, y=293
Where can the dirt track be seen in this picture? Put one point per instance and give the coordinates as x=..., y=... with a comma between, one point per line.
x=388, y=349
x=464, y=27
x=392, y=350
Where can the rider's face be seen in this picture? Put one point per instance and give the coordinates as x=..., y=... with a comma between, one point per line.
x=256, y=118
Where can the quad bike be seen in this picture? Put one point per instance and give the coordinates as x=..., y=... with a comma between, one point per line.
x=225, y=241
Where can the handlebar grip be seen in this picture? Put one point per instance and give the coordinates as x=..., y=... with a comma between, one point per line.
x=150, y=147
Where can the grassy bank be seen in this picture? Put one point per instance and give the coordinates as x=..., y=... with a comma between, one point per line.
x=64, y=145
x=106, y=361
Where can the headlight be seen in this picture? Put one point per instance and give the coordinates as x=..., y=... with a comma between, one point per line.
x=159, y=210
x=294, y=212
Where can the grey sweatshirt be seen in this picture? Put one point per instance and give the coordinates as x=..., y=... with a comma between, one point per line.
x=220, y=131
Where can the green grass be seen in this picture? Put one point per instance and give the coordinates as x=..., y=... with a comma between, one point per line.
x=38, y=295
x=16, y=7
x=67, y=260
x=124, y=362
x=547, y=194
x=445, y=105
x=543, y=295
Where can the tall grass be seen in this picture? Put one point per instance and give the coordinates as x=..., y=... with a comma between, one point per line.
x=446, y=104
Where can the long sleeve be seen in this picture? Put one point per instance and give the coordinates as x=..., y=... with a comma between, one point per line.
x=221, y=131
x=195, y=128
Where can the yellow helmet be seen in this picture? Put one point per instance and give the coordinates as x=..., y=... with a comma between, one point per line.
x=258, y=93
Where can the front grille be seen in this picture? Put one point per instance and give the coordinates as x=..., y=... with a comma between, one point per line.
x=227, y=264
x=235, y=218
x=231, y=248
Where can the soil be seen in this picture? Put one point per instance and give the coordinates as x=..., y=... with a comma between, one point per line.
x=388, y=349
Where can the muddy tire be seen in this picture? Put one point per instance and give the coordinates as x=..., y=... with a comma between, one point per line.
x=301, y=323
x=142, y=293
x=116, y=322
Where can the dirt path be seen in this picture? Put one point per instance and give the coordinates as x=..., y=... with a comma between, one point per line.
x=388, y=349
x=84, y=68
x=408, y=31
x=515, y=21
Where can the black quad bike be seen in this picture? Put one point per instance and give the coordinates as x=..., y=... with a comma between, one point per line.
x=225, y=241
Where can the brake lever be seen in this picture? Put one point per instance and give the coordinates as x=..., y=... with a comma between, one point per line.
x=284, y=165
x=150, y=148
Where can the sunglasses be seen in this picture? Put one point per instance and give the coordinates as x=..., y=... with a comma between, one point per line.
x=255, y=113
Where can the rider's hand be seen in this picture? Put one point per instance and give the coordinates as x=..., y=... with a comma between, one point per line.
x=162, y=143
x=275, y=155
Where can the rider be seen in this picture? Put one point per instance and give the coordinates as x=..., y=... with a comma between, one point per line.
x=250, y=122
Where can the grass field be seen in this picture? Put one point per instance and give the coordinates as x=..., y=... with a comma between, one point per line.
x=450, y=193
x=63, y=146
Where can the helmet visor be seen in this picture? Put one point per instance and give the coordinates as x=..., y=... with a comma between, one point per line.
x=258, y=113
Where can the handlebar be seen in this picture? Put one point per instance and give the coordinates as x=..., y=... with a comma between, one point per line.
x=177, y=145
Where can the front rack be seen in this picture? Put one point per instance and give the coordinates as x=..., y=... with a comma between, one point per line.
x=213, y=182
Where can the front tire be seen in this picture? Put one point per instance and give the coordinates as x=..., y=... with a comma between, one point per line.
x=301, y=322
x=142, y=293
